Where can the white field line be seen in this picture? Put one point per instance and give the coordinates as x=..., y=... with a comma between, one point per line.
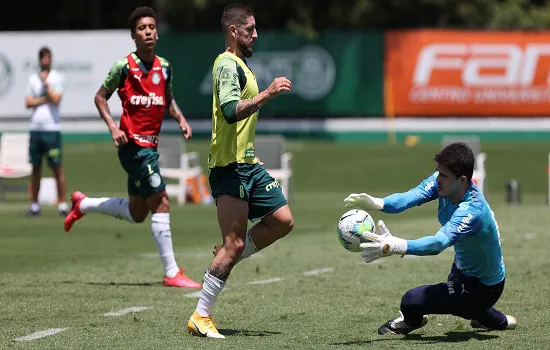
x=41, y=334
x=318, y=271
x=529, y=236
x=197, y=294
x=127, y=311
x=271, y=280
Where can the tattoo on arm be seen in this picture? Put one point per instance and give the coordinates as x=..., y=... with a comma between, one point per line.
x=173, y=108
x=245, y=108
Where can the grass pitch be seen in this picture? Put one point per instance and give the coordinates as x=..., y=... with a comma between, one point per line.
x=320, y=297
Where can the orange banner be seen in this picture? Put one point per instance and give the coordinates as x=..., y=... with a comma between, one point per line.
x=467, y=73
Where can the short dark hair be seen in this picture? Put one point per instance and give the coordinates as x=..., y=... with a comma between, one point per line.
x=139, y=13
x=235, y=14
x=44, y=51
x=458, y=158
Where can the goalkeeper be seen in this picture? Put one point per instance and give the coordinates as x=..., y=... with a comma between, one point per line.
x=476, y=280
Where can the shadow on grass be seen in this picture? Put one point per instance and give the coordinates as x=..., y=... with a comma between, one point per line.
x=142, y=284
x=449, y=337
x=245, y=333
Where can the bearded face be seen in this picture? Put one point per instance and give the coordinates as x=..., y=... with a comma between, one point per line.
x=246, y=36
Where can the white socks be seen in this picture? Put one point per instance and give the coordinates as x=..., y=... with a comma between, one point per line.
x=160, y=226
x=116, y=207
x=249, y=248
x=34, y=206
x=63, y=206
x=211, y=288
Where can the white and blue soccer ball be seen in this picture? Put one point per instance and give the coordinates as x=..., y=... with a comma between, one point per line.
x=351, y=226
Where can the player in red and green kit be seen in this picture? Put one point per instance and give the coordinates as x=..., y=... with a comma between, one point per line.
x=143, y=81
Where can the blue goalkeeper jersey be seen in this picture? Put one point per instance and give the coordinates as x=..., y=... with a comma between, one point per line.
x=469, y=226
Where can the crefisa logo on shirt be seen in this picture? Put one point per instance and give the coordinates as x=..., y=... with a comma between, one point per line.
x=147, y=101
x=6, y=74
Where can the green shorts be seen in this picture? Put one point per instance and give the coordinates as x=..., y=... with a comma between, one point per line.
x=141, y=165
x=45, y=143
x=250, y=182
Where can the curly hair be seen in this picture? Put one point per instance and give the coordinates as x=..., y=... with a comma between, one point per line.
x=139, y=13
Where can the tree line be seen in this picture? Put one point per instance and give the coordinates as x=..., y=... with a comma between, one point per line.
x=306, y=17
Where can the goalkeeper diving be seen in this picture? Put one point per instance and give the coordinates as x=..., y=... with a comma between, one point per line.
x=476, y=280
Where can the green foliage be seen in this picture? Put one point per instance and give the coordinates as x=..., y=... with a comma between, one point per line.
x=304, y=17
x=308, y=16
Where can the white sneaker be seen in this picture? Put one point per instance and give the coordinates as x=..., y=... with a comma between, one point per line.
x=398, y=326
x=512, y=323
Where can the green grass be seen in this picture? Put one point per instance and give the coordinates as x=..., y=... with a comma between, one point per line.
x=51, y=279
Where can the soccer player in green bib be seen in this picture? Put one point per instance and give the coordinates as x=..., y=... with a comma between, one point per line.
x=243, y=189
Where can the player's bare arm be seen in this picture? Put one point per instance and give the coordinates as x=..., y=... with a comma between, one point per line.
x=101, y=98
x=175, y=112
x=245, y=108
x=32, y=102
x=51, y=95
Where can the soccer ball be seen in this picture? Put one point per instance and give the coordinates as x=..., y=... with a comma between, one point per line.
x=350, y=227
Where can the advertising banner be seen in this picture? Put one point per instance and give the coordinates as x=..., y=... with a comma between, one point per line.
x=82, y=57
x=334, y=75
x=467, y=73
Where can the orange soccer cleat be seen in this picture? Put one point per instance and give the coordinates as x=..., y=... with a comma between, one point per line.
x=75, y=213
x=181, y=280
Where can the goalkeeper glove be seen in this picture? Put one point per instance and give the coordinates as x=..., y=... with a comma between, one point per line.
x=363, y=201
x=382, y=244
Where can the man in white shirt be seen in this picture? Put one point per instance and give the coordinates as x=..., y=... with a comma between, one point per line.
x=44, y=92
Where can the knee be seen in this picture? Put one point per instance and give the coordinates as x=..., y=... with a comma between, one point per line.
x=289, y=225
x=286, y=225
x=410, y=299
x=234, y=247
x=138, y=217
x=159, y=203
x=138, y=211
x=164, y=204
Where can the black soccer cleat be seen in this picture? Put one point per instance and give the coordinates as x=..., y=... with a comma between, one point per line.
x=398, y=326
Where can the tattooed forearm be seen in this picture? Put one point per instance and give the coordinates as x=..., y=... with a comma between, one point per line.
x=175, y=111
x=220, y=271
x=245, y=108
x=173, y=108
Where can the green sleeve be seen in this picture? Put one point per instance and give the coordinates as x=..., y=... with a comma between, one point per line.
x=228, y=88
x=167, y=70
x=227, y=81
x=112, y=81
x=229, y=110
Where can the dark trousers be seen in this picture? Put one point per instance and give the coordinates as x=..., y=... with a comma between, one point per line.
x=460, y=296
